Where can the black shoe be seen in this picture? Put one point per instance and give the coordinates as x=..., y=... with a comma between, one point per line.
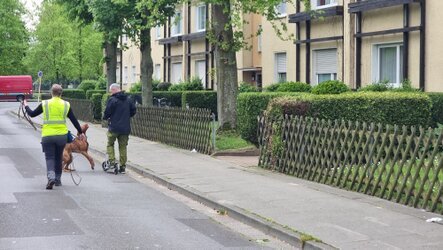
x=116, y=169
x=122, y=170
x=58, y=183
x=50, y=184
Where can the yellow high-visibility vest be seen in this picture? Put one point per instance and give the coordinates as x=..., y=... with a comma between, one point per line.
x=55, y=112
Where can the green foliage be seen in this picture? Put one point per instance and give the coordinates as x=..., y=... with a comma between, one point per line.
x=250, y=106
x=92, y=92
x=437, y=108
x=406, y=86
x=163, y=86
x=375, y=87
x=293, y=87
x=136, y=87
x=102, y=84
x=228, y=140
x=246, y=87
x=194, y=84
x=88, y=85
x=272, y=87
x=63, y=49
x=96, y=99
x=386, y=108
x=74, y=94
x=105, y=98
x=13, y=38
x=200, y=99
x=330, y=87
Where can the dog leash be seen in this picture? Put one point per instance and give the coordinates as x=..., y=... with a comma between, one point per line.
x=71, y=170
x=25, y=115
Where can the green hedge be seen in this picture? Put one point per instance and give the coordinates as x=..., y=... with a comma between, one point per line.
x=97, y=105
x=89, y=93
x=88, y=85
x=74, y=93
x=386, y=108
x=200, y=99
x=330, y=87
x=437, y=108
x=249, y=107
x=172, y=97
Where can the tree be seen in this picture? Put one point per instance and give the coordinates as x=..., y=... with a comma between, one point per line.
x=109, y=17
x=227, y=37
x=57, y=49
x=13, y=36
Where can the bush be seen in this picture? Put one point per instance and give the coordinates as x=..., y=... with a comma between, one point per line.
x=97, y=105
x=437, y=108
x=272, y=87
x=102, y=84
x=88, y=85
x=163, y=86
x=200, y=99
x=74, y=93
x=105, y=98
x=249, y=107
x=375, y=87
x=387, y=108
x=293, y=87
x=136, y=87
x=173, y=98
x=330, y=87
x=194, y=84
x=89, y=93
x=246, y=87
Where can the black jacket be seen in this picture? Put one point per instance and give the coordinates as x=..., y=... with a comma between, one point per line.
x=118, y=112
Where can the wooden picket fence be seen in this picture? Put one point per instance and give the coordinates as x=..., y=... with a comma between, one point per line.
x=400, y=164
x=184, y=128
x=83, y=109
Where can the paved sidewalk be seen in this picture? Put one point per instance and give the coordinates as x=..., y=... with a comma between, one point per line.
x=340, y=218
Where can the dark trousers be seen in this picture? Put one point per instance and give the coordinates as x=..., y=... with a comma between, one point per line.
x=53, y=148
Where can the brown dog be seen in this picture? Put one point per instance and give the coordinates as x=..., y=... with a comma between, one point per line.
x=79, y=146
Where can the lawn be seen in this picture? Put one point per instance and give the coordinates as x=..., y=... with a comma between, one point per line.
x=230, y=140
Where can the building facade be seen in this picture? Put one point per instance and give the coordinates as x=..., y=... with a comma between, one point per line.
x=358, y=42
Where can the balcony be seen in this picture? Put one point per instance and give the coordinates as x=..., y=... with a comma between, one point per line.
x=368, y=5
x=306, y=16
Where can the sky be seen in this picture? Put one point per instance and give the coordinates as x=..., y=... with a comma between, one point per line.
x=32, y=18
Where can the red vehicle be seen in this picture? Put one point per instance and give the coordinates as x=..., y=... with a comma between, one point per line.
x=14, y=87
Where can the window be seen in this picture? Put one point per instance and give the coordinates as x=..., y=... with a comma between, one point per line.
x=200, y=70
x=388, y=65
x=319, y=4
x=280, y=67
x=281, y=9
x=259, y=39
x=134, y=73
x=176, y=72
x=158, y=32
x=157, y=69
x=325, y=65
x=177, y=24
x=201, y=18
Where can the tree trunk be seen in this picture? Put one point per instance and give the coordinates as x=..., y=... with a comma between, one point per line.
x=111, y=61
x=146, y=67
x=226, y=67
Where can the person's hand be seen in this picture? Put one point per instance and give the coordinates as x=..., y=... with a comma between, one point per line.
x=25, y=102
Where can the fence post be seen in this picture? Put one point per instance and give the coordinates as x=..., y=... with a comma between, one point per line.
x=213, y=131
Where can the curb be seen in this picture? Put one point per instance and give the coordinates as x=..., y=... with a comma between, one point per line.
x=266, y=226
x=241, y=152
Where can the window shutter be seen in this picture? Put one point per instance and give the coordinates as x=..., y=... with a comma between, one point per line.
x=281, y=62
x=326, y=61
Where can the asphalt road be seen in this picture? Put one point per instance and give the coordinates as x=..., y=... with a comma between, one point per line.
x=104, y=212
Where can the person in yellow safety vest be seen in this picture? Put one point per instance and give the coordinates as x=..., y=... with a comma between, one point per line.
x=54, y=132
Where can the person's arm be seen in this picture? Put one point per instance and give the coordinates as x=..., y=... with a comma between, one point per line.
x=109, y=109
x=34, y=113
x=132, y=108
x=74, y=121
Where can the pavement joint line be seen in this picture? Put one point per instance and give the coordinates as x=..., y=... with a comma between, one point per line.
x=267, y=226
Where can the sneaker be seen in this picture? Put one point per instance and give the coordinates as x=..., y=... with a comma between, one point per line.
x=58, y=183
x=50, y=184
x=122, y=170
